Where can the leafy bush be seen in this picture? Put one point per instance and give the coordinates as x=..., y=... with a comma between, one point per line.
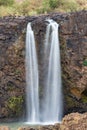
x=50, y=4
x=53, y=3
x=60, y=5
x=6, y=2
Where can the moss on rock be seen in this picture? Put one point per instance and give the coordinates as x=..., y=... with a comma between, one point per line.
x=84, y=99
x=14, y=105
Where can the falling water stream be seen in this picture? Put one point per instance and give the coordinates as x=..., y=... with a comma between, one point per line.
x=32, y=98
x=52, y=99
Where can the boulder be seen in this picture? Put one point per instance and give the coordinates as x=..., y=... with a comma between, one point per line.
x=4, y=128
x=47, y=127
x=26, y=128
x=74, y=121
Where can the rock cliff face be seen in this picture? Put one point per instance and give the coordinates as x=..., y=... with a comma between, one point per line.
x=73, y=45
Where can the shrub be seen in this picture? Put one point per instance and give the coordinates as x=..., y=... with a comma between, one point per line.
x=6, y=2
x=85, y=62
x=71, y=5
x=50, y=4
x=60, y=5
x=53, y=3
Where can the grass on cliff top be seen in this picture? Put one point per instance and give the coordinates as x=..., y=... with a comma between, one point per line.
x=34, y=7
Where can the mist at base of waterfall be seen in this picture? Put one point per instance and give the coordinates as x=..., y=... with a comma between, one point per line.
x=41, y=123
x=16, y=125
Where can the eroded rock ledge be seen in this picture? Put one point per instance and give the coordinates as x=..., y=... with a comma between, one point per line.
x=73, y=45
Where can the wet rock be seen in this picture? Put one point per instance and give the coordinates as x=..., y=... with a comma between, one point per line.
x=47, y=127
x=26, y=128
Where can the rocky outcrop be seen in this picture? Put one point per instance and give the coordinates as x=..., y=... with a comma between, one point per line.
x=12, y=66
x=73, y=45
x=73, y=121
x=4, y=128
x=48, y=127
x=74, y=30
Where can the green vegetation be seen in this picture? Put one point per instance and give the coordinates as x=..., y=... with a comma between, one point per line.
x=70, y=101
x=84, y=96
x=85, y=62
x=17, y=72
x=51, y=4
x=34, y=7
x=10, y=86
x=14, y=104
x=84, y=99
x=62, y=6
x=6, y=2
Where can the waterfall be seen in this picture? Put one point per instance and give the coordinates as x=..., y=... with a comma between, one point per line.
x=32, y=94
x=51, y=109
x=52, y=101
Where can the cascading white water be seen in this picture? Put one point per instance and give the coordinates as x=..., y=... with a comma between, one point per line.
x=52, y=102
x=32, y=94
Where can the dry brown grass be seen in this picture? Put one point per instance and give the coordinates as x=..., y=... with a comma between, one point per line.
x=33, y=7
x=82, y=4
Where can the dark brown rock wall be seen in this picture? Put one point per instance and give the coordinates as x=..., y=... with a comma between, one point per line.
x=12, y=66
x=74, y=30
x=73, y=45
